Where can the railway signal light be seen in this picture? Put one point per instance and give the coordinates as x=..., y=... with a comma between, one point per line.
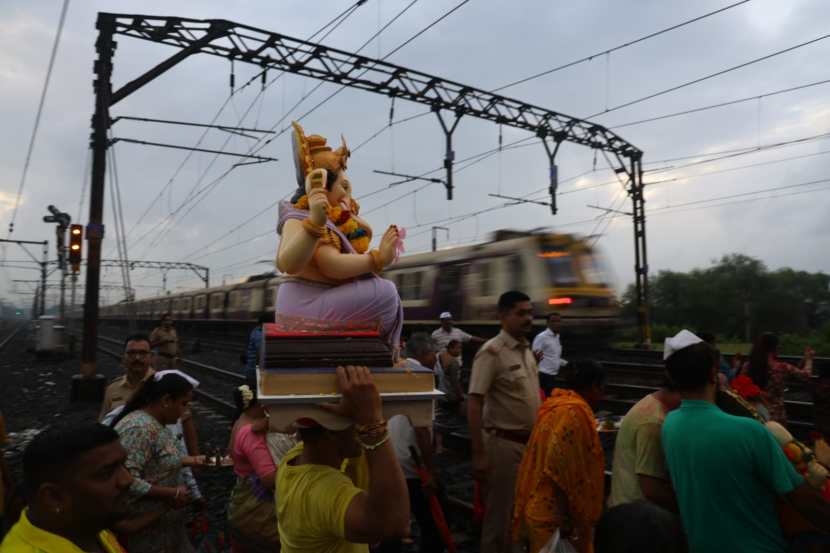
x=76, y=235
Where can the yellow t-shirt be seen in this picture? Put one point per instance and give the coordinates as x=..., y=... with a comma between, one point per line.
x=311, y=505
x=25, y=537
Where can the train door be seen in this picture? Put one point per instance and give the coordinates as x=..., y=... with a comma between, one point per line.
x=450, y=289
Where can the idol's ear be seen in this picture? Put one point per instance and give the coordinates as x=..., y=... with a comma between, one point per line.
x=302, y=158
x=344, y=152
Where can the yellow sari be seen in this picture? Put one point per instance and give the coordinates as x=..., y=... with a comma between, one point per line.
x=561, y=478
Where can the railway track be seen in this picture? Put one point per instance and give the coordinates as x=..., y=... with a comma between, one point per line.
x=11, y=335
x=628, y=382
x=222, y=406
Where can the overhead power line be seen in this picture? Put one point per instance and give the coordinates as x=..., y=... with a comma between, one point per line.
x=477, y=157
x=331, y=25
x=720, y=104
x=735, y=152
x=700, y=204
x=620, y=46
x=384, y=58
x=257, y=147
x=247, y=240
x=387, y=126
x=709, y=173
x=234, y=229
x=39, y=113
x=709, y=76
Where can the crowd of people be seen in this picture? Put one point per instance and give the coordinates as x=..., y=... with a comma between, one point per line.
x=686, y=476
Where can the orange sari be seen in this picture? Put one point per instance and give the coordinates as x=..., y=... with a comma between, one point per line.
x=561, y=479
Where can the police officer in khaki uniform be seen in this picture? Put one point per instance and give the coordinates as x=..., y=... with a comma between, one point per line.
x=165, y=342
x=136, y=363
x=501, y=409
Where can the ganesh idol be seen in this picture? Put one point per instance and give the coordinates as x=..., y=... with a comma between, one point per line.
x=332, y=275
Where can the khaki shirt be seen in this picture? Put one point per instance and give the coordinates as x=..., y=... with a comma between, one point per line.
x=506, y=374
x=117, y=394
x=119, y=391
x=167, y=340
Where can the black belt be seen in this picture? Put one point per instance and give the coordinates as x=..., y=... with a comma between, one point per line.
x=518, y=436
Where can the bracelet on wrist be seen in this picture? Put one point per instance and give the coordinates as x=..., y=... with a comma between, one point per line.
x=377, y=262
x=314, y=230
x=375, y=444
x=372, y=427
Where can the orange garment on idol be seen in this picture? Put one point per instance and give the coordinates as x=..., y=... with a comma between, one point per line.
x=564, y=454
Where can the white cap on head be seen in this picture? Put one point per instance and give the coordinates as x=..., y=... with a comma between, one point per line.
x=193, y=382
x=445, y=315
x=682, y=339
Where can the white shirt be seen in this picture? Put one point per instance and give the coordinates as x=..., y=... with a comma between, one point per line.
x=402, y=436
x=548, y=343
x=443, y=338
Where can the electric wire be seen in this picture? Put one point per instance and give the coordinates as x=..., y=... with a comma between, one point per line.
x=254, y=149
x=334, y=23
x=85, y=178
x=231, y=231
x=707, y=77
x=385, y=57
x=701, y=162
x=366, y=43
x=719, y=105
x=620, y=47
x=699, y=204
x=43, y=92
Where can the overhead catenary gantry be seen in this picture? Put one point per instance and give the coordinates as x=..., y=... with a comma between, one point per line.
x=449, y=100
x=164, y=266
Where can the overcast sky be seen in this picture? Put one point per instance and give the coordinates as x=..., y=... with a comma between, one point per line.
x=485, y=44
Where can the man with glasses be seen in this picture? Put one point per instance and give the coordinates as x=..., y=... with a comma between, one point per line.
x=136, y=362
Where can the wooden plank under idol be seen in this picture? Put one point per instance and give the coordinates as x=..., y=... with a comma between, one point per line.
x=298, y=372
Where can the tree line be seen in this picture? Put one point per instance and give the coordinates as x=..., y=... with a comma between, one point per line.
x=736, y=298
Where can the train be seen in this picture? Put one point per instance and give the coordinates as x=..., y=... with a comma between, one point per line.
x=560, y=272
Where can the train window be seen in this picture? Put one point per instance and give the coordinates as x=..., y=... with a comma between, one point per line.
x=200, y=302
x=216, y=301
x=410, y=287
x=591, y=269
x=269, y=297
x=517, y=273
x=560, y=267
x=233, y=299
x=485, y=278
